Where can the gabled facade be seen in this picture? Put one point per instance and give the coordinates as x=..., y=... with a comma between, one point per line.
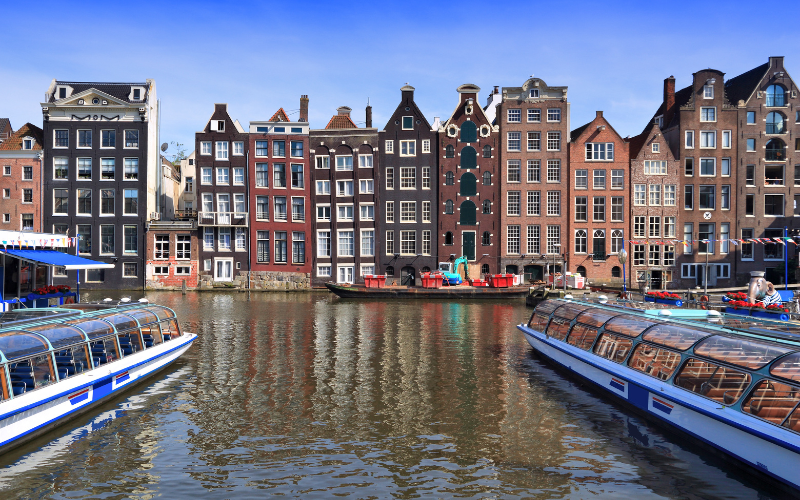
x=655, y=217
x=223, y=216
x=280, y=193
x=5, y=129
x=768, y=167
x=21, y=156
x=187, y=193
x=101, y=174
x=534, y=160
x=599, y=197
x=700, y=124
x=344, y=171
x=407, y=216
x=469, y=202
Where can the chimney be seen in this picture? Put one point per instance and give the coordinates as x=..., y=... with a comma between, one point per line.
x=496, y=89
x=343, y=110
x=599, y=114
x=304, y=108
x=776, y=63
x=669, y=94
x=369, y=115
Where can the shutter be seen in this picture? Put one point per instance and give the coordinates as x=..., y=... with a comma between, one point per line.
x=469, y=157
x=469, y=185
x=468, y=214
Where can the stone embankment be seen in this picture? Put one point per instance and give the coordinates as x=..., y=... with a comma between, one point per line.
x=261, y=281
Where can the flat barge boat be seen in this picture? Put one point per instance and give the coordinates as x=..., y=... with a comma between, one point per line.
x=447, y=292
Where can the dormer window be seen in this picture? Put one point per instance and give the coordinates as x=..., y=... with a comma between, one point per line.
x=534, y=93
x=221, y=125
x=62, y=93
x=137, y=94
x=27, y=143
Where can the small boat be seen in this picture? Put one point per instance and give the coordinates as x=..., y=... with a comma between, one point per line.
x=57, y=363
x=410, y=292
x=730, y=382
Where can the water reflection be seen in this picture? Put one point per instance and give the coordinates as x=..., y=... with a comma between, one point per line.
x=308, y=395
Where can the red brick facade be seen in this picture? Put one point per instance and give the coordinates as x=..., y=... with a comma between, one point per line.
x=168, y=261
x=21, y=180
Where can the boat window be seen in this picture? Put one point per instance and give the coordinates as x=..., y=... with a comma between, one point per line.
x=130, y=342
x=72, y=360
x=120, y=321
x=596, y=317
x=143, y=316
x=151, y=335
x=679, y=337
x=3, y=388
x=713, y=381
x=654, y=361
x=746, y=353
x=104, y=351
x=58, y=335
x=170, y=329
x=630, y=326
x=541, y=315
x=161, y=312
x=31, y=373
x=94, y=328
x=774, y=401
x=613, y=347
x=582, y=336
x=570, y=311
x=558, y=328
x=18, y=344
x=788, y=367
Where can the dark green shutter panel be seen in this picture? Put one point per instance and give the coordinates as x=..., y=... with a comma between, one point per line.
x=468, y=211
x=469, y=157
x=469, y=132
x=468, y=245
x=469, y=185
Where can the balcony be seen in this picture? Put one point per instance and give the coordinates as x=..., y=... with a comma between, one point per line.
x=185, y=214
x=238, y=219
x=775, y=154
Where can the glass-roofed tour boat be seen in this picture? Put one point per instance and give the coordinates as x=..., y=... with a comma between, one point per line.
x=56, y=363
x=731, y=382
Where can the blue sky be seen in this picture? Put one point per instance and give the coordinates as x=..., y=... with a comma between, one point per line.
x=259, y=56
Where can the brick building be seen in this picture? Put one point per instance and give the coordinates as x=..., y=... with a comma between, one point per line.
x=345, y=170
x=5, y=129
x=600, y=212
x=653, y=191
x=407, y=216
x=469, y=193
x=768, y=166
x=280, y=193
x=221, y=162
x=172, y=254
x=21, y=156
x=700, y=124
x=534, y=127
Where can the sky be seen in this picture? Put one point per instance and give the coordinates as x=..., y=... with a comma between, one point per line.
x=260, y=56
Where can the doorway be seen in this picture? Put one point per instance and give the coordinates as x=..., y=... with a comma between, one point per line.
x=532, y=273
x=468, y=244
x=512, y=269
x=656, y=280
x=223, y=269
x=407, y=275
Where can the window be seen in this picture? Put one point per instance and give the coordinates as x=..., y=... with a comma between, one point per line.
x=262, y=208
x=344, y=188
x=323, y=162
x=366, y=186
x=773, y=205
x=639, y=226
x=670, y=194
x=616, y=208
x=129, y=270
x=131, y=166
x=669, y=227
x=223, y=176
x=60, y=201
x=407, y=148
x=708, y=114
x=280, y=208
x=408, y=242
x=487, y=178
x=344, y=163
x=346, y=244
x=533, y=241
x=512, y=240
x=638, y=255
x=344, y=213
x=707, y=195
x=298, y=209
x=655, y=147
x=426, y=145
x=773, y=251
x=554, y=203
x=652, y=167
x=751, y=117
x=534, y=203
x=449, y=179
x=281, y=247
x=279, y=149
x=323, y=213
x=27, y=196
x=688, y=168
x=514, y=142
x=487, y=207
x=554, y=141
x=600, y=151
x=365, y=161
x=108, y=139
x=534, y=141
x=750, y=175
x=654, y=227
x=514, y=115
x=535, y=115
x=513, y=204
x=84, y=138
x=298, y=247
x=426, y=177
x=776, y=96
x=238, y=148
x=408, y=211
x=725, y=197
x=278, y=175
x=689, y=139
x=84, y=234
x=222, y=150
x=617, y=179
x=238, y=176
x=797, y=175
x=486, y=239
x=599, y=208
x=84, y=168
x=297, y=176
x=688, y=197
x=599, y=178
x=6, y=218
x=654, y=255
x=749, y=202
x=390, y=244
x=599, y=244
x=367, y=211
x=224, y=240
x=448, y=207
x=368, y=242
x=84, y=202
x=747, y=248
x=725, y=167
x=534, y=171
x=161, y=247
x=553, y=170
x=108, y=167
x=262, y=175
x=426, y=211
x=262, y=148
x=554, y=115
x=61, y=139
x=581, y=241
x=708, y=140
x=323, y=243
x=708, y=91
x=296, y=149
x=449, y=151
x=60, y=168
x=705, y=231
x=724, y=236
x=655, y=194
x=205, y=175
x=581, y=208
x=408, y=123
x=208, y=238
x=487, y=151
x=726, y=139
x=751, y=145
x=27, y=222
x=389, y=211
x=408, y=177
x=132, y=141
x=389, y=177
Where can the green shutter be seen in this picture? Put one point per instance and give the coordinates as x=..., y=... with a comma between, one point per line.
x=469, y=157
x=469, y=132
x=469, y=185
x=468, y=245
x=468, y=214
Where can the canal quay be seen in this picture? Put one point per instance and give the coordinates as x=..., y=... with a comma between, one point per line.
x=308, y=395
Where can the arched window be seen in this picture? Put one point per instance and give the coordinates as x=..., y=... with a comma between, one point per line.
x=599, y=244
x=449, y=179
x=390, y=271
x=776, y=150
x=469, y=157
x=469, y=185
x=426, y=269
x=487, y=151
x=487, y=179
x=581, y=270
x=512, y=269
x=469, y=132
x=776, y=123
x=487, y=207
x=450, y=151
x=486, y=239
x=616, y=272
x=616, y=240
x=448, y=238
x=776, y=95
x=580, y=241
x=448, y=207
x=485, y=269
x=468, y=215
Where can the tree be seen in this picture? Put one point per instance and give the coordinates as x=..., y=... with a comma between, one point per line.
x=178, y=152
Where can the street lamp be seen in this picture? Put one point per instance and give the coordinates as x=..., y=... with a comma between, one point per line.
x=623, y=257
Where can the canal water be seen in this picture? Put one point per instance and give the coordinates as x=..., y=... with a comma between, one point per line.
x=307, y=395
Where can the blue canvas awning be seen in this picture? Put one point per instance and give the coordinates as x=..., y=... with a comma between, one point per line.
x=53, y=258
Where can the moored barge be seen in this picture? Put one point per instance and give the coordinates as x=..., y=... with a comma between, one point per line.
x=56, y=364
x=447, y=292
x=730, y=383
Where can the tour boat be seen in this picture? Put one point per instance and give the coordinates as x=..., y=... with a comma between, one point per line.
x=57, y=363
x=730, y=382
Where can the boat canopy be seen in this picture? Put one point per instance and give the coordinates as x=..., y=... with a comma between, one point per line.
x=143, y=316
x=750, y=354
x=629, y=325
x=59, y=335
x=788, y=367
x=94, y=328
x=678, y=337
x=571, y=310
x=18, y=344
x=596, y=317
x=119, y=320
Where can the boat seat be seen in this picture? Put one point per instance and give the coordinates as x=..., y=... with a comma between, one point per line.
x=167, y=337
x=64, y=359
x=63, y=373
x=95, y=361
x=127, y=350
x=19, y=388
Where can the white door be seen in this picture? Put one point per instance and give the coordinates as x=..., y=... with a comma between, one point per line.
x=223, y=209
x=346, y=274
x=223, y=269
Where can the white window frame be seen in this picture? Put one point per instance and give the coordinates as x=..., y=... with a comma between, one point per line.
x=205, y=148
x=407, y=148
